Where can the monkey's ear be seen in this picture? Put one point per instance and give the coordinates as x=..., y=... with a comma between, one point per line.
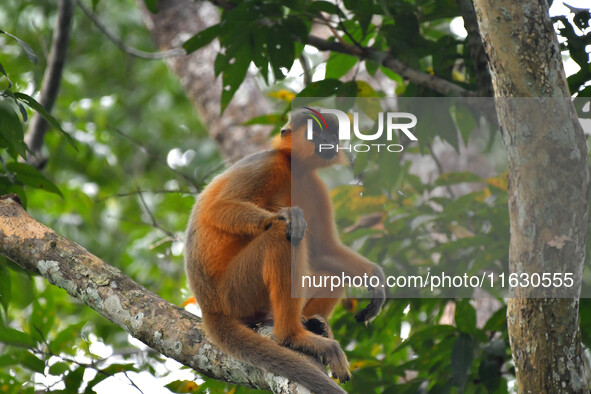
x=285, y=132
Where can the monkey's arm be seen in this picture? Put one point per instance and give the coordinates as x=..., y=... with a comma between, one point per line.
x=238, y=217
x=329, y=254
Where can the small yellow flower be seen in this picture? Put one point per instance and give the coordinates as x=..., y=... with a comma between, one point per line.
x=283, y=95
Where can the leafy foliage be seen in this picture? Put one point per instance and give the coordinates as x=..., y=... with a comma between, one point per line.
x=577, y=37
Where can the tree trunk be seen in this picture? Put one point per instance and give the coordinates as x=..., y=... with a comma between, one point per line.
x=548, y=189
x=177, y=21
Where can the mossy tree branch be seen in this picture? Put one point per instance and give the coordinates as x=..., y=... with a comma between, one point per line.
x=165, y=327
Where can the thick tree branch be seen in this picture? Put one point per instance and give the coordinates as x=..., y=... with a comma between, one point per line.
x=166, y=328
x=438, y=84
x=51, y=79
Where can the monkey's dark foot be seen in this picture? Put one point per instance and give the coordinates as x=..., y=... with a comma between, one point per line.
x=378, y=297
x=372, y=310
x=318, y=325
x=296, y=225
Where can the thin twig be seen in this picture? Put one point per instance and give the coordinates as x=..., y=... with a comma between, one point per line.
x=131, y=382
x=193, y=182
x=8, y=173
x=135, y=192
x=306, y=68
x=51, y=81
x=440, y=169
x=154, y=223
x=92, y=365
x=127, y=49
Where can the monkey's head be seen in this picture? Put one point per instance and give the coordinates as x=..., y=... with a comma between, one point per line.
x=322, y=149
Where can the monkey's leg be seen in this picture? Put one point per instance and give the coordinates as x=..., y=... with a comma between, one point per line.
x=323, y=299
x=242, y=290
x=287, y=311
x=320, y=306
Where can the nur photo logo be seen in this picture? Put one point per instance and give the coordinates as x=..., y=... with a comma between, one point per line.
x=387, y=122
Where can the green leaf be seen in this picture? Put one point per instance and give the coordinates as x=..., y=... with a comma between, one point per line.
x=281, y=50
x=465, y=316
x=462, y=356
x=26, y=47
x=152, y=5
x=31, y=102
x=182, y=386
x=459, y=205
x=490, y=374
x=325, y=6
x=59, y=368
x=259, y=51
x=498, y=321
x=346, y=95
x=297, y=28
x=31, y=176
x=464, y=120
x=23, y=292
x=581, y=18
x=116, y=368
x=271, y=119
x=65, y=339
x=202, y=38
x=339, y=64
x=371, y=67
x=324, y=88
x=73, y=380
x=423, y=336
x=14, y=337
x=7, y=360
x=392, y=75
x=96, y=380
x=363, y=12
x=5, y=290
x=23, y=111
x=3, y=72
x=453, y=178
x=233, y=75
x=30, y=361
x=11, y=131
x=42, y=317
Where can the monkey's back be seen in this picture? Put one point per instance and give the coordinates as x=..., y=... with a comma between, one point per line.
x=262, y=179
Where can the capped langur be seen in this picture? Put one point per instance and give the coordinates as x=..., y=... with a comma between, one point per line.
x=251, y=236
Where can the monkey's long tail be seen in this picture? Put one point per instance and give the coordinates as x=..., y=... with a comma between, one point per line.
x=239, y=341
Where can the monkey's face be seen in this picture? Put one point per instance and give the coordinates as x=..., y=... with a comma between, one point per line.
x=325, y=142
x=316, y=141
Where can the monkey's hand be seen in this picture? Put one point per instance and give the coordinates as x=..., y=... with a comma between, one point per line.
x=318, y=325
x=372, y=310
x=295, y=224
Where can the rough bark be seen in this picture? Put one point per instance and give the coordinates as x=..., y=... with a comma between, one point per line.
x=51, y=80
x=166, y=328
x=177, y=21
x=548, y=189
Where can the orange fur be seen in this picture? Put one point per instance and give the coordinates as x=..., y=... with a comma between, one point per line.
x=241, y=238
